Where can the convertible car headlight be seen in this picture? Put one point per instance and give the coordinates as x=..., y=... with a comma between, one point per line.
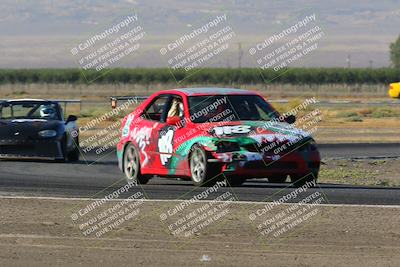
x=227, y=146
x=47, y=133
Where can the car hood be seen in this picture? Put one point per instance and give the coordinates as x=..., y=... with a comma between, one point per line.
x=27, y=128
x=258, y=131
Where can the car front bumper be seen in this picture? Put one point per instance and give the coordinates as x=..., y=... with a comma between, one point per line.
x=258, y=165
x=46, y=148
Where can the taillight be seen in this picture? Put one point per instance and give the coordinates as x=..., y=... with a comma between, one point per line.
x=391, y=87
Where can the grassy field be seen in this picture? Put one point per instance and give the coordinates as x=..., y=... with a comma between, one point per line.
x=384, y=172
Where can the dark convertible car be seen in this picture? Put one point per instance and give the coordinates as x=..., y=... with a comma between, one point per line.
x=32, y=128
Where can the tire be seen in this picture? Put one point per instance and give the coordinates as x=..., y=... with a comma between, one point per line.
x=131, y=166
x=74, y=155
x=64, y=154
x=202, y=173
x=279, y=178
x=299, y=180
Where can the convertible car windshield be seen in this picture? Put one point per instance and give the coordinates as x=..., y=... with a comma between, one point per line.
x=29, y=110
x=238, y=107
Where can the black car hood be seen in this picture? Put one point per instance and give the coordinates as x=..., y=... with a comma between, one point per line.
x=27, y=128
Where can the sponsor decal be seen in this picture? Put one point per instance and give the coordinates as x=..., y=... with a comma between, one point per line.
x=125, y=130
x=229, y=130
x=165, y=145
x=142, y=138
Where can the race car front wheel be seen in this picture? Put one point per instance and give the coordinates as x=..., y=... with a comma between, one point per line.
x=132, y=166
x=202, y=172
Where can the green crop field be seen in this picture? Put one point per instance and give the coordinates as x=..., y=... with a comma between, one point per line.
x=207, y=75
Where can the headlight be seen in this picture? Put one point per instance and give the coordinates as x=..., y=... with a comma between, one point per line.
x=47, y=133
x=227, y=146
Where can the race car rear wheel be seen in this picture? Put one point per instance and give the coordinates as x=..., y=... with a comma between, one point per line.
x=132, y=165
x=202, y=172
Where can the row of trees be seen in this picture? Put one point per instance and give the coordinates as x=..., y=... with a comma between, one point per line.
x=395, y=53
x=207, y=75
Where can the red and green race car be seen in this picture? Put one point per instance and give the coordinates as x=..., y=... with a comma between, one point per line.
x=211, y=134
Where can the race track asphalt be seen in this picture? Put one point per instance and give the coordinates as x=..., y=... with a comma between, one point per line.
x=98, y=177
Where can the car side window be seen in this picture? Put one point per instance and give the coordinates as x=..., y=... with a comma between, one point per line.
x=154, y=111
x=5, y=111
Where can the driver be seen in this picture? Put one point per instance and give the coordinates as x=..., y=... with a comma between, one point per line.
x=176, y=108
x=47, y=112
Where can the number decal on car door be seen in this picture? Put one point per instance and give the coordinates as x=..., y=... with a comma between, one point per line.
x=165, y=145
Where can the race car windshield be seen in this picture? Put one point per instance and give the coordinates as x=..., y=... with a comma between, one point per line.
x=29, y=110
x=229, y=108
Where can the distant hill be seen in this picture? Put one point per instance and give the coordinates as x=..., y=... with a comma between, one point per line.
x=41, y=33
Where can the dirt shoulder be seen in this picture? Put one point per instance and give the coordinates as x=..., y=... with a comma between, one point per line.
x=371, y=172
x=37, y=232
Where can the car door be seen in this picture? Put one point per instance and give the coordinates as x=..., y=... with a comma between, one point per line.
x=171, y=135
x=145, y=134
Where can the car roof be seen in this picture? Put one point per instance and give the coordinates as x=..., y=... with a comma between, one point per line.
x=33, y=101
x=212, y=91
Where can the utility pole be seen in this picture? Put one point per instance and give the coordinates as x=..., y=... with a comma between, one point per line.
x=348, y=60
x=240, y=54
x=370, y=63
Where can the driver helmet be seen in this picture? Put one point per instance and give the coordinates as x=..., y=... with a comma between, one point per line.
x=47, y=112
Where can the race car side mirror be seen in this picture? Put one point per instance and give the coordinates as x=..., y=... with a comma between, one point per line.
x=71, y=118
x=290, y=119
x=174, y=121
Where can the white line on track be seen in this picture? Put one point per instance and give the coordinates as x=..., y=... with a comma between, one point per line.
x=195, y=201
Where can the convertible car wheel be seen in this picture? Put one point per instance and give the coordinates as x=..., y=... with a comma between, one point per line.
x=64, y=153
x=132, y=166
x=74, y=154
